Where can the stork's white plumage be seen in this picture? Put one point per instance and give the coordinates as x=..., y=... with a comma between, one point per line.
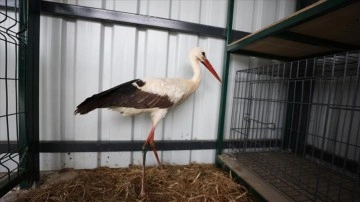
x=154, y=96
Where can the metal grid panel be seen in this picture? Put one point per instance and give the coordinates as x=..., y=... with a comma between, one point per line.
x=13, y=147
x=297, y=122
x=300, y=179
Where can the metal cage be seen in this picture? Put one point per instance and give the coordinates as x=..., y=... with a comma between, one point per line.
x=296, y=125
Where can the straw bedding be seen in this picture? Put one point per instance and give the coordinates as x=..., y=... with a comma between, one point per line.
x=169, y=183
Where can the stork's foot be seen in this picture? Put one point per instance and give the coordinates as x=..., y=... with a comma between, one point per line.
x=143, y=194
x=144, y=150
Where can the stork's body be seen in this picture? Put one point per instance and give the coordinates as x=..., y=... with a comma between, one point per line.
x=154, y=96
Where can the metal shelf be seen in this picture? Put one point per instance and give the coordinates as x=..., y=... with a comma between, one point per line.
x=321, y=28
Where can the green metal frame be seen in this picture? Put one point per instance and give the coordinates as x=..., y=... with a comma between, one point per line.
x=29, y=90
x=225, y=79
x=275, y=30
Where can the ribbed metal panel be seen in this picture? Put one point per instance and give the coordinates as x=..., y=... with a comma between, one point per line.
x=80, y=58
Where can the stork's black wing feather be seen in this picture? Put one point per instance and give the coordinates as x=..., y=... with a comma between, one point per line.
x=124, y=95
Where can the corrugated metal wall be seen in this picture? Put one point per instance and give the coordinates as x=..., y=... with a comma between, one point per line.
x=79, y=58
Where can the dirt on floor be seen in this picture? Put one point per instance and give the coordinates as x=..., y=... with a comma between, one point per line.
x=196, y=182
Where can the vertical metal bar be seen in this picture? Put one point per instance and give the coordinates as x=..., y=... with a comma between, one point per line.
x=33, y=96
x=303, y=108
x=272, y=105
x=16, y=78
x=237, y=102
x=282, y=113
x=352, y=113
x=319, y=107
x=241, y=105
x=225, y=77
x=291, y=107
x=319, y=110
x=29, y=88
x=271, y=83
x=248, y=95
x=23, y=20
x=240, y=110
x=6, y=94
x=310, y=104
x=287, y=113
x=300, y=109
x=6, y=89
x=332, y=141
x=257, y=107
x=276, y=98
x=326, y=128
x=332, y=151
x=234, y=113
x=239, y=119
x=356, y=174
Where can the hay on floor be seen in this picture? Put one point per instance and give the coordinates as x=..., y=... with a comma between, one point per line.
x=169, y=183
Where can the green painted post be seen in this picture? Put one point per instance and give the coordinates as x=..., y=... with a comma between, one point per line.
x=225, y=78
x=29, y=90
x=23, y=144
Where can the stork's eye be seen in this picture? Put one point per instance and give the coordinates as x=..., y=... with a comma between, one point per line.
x=203, y=53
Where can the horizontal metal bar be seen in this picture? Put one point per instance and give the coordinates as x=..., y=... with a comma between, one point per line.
x=101, y=146
x=8, y=4
x=115, y=146
x=12, y=79
x=12, y=114
x=110, y=16
x=95, y=146
x=102, y=15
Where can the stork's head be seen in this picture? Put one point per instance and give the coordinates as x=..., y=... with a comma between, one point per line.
x=198, y=54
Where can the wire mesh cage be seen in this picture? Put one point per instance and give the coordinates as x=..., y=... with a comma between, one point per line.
x=16, y=86
x=297, y=126
x=10, y=43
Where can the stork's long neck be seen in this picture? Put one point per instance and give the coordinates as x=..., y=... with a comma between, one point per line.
x=197, y=71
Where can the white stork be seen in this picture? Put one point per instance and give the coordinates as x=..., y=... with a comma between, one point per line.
x=154, y=96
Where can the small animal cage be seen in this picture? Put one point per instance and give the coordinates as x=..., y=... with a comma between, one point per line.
x=296, y=126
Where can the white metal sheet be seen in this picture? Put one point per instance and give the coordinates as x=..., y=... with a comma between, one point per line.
x=79, y=58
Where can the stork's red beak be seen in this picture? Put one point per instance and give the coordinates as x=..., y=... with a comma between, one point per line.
x=207, y=64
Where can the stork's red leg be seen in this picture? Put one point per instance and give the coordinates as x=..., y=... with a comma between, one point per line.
x=149, y=141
